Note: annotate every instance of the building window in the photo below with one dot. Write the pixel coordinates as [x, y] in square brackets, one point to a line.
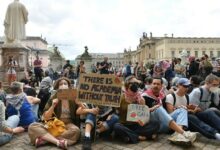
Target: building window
[149, 55]
[172, 54]
[196, 53]
[180, 52]
[211, 54]
[203, 52]
[218, 53]
[188, 52]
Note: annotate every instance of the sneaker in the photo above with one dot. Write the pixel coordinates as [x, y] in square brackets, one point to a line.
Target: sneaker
[87, 143]
[62, 144]
[39, 142]
[179, 139]
[190, 135]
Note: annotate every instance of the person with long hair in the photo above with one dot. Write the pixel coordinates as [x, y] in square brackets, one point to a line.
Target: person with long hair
[66, 111]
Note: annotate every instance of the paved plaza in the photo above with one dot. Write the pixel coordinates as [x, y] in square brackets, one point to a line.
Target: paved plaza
[21, 142]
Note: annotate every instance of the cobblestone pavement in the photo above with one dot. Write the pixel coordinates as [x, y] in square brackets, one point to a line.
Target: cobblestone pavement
[21, 142]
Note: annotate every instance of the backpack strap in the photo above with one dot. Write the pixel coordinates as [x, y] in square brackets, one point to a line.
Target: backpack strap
[201, 94]
[212, 100]
[174, 98]
[187, 98]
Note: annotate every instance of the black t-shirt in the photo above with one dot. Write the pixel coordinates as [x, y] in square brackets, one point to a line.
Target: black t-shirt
[104, 70]
[67, 65]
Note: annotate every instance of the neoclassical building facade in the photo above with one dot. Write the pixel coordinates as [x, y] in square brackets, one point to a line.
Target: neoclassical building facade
[117, 59]
[159, 48]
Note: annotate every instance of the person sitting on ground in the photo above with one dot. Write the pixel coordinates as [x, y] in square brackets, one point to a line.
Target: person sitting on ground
[153, 99]
[203, 118]
[105, 118]
[17, 103]
[194, 83]
[30, 91]
[132, 132]
[64, 110]
[9, 126]
[44, 93]
[31, 97]
[176, 103]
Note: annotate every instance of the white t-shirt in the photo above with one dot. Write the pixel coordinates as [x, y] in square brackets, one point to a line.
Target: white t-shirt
[11, 70]
[180, 100]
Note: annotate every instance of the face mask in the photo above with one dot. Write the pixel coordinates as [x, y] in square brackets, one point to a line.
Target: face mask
[214, 89]
[63, 87]
[134, 87]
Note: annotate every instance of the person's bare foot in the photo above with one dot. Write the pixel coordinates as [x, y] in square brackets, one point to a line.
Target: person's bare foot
[18, 130]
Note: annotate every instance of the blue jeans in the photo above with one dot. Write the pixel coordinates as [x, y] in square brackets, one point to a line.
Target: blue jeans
[197, 125]
[91, 119]
[130, 133]
[161, 115]
[35, 108]
[210, 117]
[180, 116]
[12, 122]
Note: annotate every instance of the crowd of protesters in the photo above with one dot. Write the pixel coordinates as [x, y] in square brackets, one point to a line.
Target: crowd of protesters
[183, 98]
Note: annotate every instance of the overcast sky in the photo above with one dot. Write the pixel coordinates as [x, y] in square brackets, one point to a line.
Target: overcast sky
[112, 25]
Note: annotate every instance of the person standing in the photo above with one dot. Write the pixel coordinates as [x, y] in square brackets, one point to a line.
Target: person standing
[38, 69]
[104, 66]
[179, 69]
[12, 64]
[67, 65]
[15, 20]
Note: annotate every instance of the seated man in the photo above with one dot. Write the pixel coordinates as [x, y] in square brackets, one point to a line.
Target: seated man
[153, 98]
[203, 118]
[105, 118]
[176, 103]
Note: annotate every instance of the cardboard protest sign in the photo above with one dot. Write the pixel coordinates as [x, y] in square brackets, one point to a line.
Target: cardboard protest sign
[100, 89]
[67, 94]
[137, 112]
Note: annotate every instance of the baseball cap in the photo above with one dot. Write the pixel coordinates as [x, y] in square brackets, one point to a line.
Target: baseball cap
[183, 81]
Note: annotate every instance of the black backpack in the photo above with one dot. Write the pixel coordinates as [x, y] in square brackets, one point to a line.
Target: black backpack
[212, 99]
[174, 100]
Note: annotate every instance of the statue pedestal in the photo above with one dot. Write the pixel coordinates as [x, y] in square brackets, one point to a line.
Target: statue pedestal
[87, 60]
[20, 54]
[88, 65]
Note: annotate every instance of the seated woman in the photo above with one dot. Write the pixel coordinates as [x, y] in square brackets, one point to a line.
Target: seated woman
[66, 111]
[9, 126]
[17, 103]
[132, 132]
[106, 119]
